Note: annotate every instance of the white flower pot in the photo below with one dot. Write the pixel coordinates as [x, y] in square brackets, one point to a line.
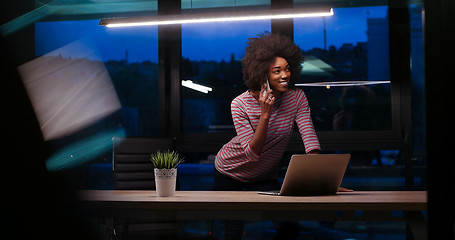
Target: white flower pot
[165, 181]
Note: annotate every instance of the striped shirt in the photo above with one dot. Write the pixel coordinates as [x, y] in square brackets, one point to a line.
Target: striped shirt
[237, 160]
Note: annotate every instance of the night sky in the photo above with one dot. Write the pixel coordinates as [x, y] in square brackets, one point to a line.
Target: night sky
[208, 41]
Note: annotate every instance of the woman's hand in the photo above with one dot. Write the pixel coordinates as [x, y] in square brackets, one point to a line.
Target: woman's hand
[342, 189]
[314, 151]
[266, 101]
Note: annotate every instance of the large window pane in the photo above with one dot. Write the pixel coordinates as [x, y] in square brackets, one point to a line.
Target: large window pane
[349, 47]
[211, 56]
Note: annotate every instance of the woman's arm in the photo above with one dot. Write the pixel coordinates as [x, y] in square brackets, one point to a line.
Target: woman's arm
[305, 124]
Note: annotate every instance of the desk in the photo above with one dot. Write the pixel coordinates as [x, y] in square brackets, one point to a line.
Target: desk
[187, 205]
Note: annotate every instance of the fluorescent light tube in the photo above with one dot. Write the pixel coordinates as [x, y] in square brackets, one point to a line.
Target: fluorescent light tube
[340, 83]
[216, 17]
[195, 86]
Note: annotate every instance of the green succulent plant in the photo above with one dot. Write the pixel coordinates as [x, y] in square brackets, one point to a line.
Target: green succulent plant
[166, 160]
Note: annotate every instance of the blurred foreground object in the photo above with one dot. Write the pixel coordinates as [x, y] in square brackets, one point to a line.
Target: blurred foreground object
[69, 88]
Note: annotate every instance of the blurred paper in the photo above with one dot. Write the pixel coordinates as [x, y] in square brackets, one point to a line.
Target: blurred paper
[69, 88]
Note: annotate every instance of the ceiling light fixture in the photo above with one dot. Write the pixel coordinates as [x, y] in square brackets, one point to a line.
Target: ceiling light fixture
[195, 86]
[217, 17]
[340, 84]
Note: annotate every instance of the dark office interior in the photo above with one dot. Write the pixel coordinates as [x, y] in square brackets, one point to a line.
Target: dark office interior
[398, 132]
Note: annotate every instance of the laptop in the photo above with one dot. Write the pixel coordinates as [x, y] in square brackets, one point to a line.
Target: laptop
[313, 175]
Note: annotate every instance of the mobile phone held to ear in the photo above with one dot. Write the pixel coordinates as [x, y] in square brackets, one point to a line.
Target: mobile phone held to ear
[268, 87]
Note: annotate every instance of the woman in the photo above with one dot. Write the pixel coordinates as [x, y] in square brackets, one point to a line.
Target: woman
[264, 119]
[264, 122]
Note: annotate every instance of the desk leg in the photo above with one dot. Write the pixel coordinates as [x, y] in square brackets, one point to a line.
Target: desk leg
[416, 223]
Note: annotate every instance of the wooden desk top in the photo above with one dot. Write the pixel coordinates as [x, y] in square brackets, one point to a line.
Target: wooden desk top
[252, 201]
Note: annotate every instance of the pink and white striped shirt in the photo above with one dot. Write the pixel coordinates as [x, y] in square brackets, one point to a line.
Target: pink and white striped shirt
[237, 160]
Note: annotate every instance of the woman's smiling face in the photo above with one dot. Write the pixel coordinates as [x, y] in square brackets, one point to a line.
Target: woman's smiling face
[279, 75]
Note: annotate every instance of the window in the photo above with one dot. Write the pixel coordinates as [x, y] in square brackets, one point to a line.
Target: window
[350, 47]
[212, 57]
[369, 121]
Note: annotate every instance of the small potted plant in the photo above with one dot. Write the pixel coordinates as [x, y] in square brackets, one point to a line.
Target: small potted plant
[165, 164]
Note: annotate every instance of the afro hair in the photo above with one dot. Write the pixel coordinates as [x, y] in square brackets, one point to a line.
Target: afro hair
[261, 53]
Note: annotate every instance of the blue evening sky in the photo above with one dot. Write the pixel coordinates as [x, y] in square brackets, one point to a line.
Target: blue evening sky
[208, 41]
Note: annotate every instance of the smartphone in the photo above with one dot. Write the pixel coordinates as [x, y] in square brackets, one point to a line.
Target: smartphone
[268, 87]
